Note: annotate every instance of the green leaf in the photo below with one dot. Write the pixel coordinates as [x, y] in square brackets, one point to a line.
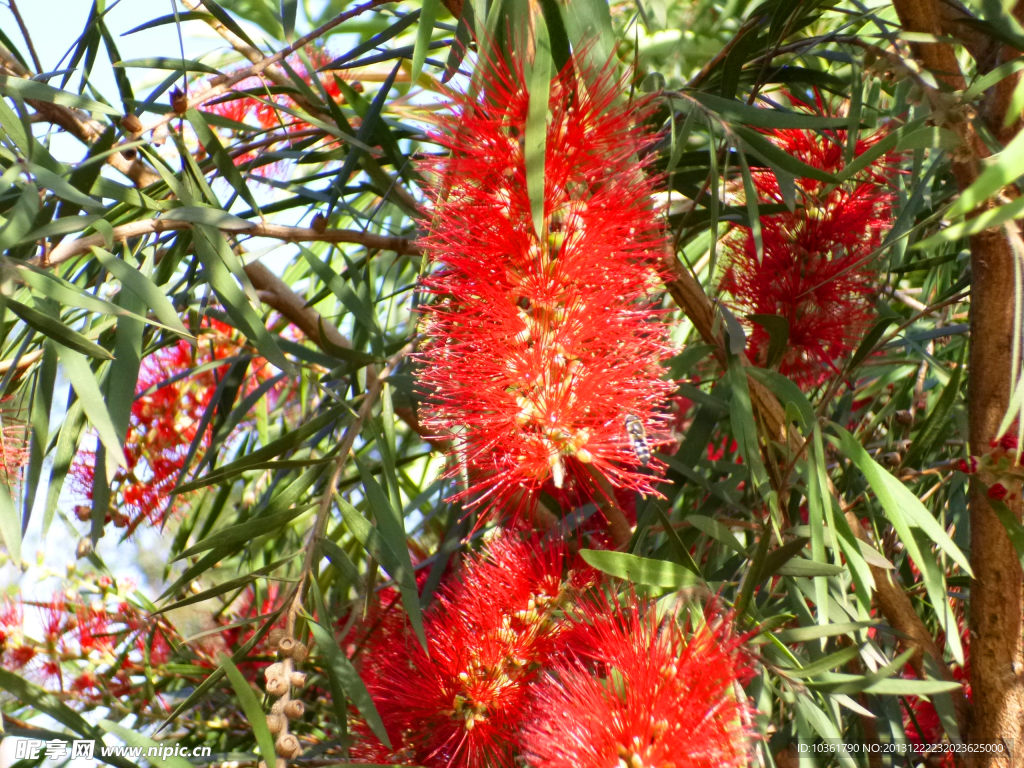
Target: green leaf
[938, 419]
[225, 164]
[900, 505]
[746, 114]
[10, 526]
[63, 189]
[170, 18]
[711, 527]
[143, 287]
[58, 331]
[88, 391]
[741, 416]
[778, 334]
[1014, 529]
[640, 570]
[224, 18]
[339, 669]
[214, 217]
[251, 707]
[807, 634]
[67, 447]
[827, 663]
[243, 532]
[31, 89]
[44, 702]
[391, 525]
[770, 153]
[214, 253]
[536, 132]
[168, 62]
[990, 219]
[809, 568]
[786, 391]
[425, 30]
[339, 559]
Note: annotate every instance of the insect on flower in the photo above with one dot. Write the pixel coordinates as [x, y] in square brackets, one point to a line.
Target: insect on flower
[638, 437]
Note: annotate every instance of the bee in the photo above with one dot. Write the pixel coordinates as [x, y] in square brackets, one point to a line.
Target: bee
[638, 438]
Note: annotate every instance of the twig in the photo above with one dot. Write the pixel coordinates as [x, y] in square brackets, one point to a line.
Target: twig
[24, 33]
[372, 393]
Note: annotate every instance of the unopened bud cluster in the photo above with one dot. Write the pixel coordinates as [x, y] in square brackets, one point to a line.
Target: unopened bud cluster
[281, 677]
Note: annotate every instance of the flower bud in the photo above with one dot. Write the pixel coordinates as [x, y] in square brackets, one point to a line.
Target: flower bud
[84, 548]
[319, 223]
[294, 709]
[288, 746]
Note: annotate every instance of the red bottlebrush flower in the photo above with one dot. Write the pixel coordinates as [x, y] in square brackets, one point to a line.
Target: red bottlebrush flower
[997, 491]
[815, 269]
[542, 349]
[487, 636]
[163, 424]
[253, 103]
[640, 694]
[1008, 442]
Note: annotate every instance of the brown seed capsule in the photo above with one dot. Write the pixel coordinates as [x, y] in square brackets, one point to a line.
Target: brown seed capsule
[298, 679]
[131, 124]
[84, 548]
[288, 746]
[274, 670]
[286, 645]
[299, 652]
[277, 708]
[906, 418]
[275, 636]
[83, 512]
[277, 686]
[179, 101]
[891, 459]
[319, 223]
[276, 723]
[294, 709]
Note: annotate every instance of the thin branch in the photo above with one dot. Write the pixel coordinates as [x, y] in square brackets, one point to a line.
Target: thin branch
[373, 391]
[68, 250]
[24, 33]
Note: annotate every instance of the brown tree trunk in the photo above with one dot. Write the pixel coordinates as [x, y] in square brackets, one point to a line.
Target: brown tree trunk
[997, 683]
[996, 592]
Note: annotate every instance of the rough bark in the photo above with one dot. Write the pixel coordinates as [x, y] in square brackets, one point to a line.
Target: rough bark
[996, 592]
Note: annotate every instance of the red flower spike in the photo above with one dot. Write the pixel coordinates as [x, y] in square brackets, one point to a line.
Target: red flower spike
[163, 424]
[488, 635]
[640, 694]
[814, 270]
[542, 349]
